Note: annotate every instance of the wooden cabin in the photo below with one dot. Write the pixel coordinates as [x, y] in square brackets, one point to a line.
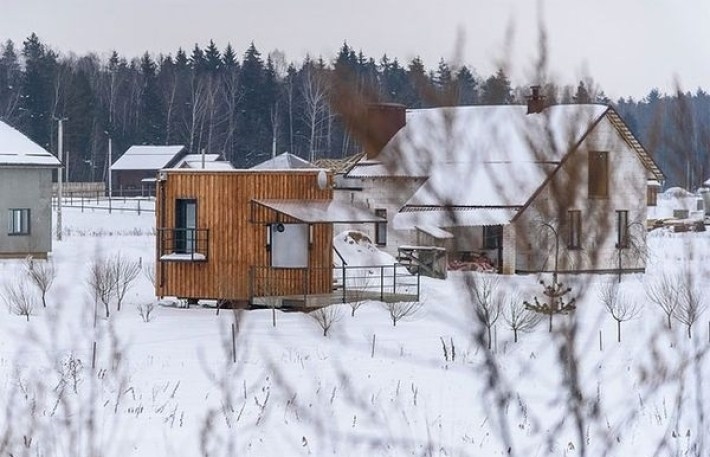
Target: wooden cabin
[239, 234]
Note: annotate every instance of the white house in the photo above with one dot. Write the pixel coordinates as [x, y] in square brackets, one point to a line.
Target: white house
[532, 188]
[25, 195]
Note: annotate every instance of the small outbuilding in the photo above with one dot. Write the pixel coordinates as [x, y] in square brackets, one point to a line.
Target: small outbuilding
[135, 171]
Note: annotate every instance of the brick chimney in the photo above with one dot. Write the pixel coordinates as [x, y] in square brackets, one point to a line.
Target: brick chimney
[536, 101]
[384, 120]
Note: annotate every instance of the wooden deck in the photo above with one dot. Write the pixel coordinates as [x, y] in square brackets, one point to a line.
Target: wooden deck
[337, 297]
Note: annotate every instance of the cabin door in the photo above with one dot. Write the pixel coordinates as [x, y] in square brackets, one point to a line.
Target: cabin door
[185, 225]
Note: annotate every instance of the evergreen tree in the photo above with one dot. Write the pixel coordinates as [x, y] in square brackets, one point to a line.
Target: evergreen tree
[37, 91]
[152, 124]
[10, 82]
[466, 87]
[582, 96]
[496, 89]
[253, 123]
[213, 58]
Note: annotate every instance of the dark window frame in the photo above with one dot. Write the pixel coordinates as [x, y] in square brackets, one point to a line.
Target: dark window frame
[180, 236]
[492, 236]
[574, 229]
[25, 224]
[598, 174]
[652, 196]
[622, 229]
[381, 227]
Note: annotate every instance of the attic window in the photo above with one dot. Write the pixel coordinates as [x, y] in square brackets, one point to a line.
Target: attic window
[598, 181]
[652, 196]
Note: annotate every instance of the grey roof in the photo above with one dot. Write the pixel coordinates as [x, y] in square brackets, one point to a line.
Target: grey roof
[320, 211]
[285, 161]
[147, 157]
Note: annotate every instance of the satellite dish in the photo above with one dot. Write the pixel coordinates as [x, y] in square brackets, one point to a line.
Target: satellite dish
[322, 180]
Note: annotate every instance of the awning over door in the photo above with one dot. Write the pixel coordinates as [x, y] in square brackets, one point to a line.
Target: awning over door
[410, 218]
[320, 211]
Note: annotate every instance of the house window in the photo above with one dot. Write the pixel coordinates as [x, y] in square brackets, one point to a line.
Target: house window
[18, 221]
[185, 225]
[622, 229]
[598, 174]
[289, 245]
[492, 236]
[381, 228]
[574, 229]
[651, 195]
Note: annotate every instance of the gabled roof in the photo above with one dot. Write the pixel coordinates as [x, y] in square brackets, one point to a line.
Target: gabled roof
[339, 166]
[147, 157]
[17, 150]
[284, 161]
[481, 156]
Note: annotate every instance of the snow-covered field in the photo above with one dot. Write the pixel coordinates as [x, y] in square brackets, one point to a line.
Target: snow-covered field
[170, 386]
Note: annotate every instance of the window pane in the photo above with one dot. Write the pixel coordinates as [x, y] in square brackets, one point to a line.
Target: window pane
[381, 227]
[598, 174]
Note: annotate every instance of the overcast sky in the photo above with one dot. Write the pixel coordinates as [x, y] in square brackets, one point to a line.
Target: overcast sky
[627, 46]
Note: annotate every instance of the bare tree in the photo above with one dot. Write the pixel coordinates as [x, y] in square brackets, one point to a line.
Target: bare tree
[402, 310]
[146, 311]
[487, 301]
[102, 282]
[148, 270]
[125, 272]
[665, 293]
[357, 289]
[19, 298]
[518, 317]
[618, 306]
[317, 113]
[326, 317]
[42, 275]
[691, 305]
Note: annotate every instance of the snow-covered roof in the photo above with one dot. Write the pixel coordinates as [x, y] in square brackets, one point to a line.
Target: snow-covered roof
[196, 158]
[146, 157]
[452, 217]
[285, 161]
[481, 155]
[17, 150]
[212, 162]
[320, 211]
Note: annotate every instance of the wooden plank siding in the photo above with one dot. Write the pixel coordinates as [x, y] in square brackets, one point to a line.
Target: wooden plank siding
[237, 232]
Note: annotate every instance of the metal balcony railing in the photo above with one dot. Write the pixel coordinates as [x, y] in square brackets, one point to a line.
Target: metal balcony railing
[183, 244]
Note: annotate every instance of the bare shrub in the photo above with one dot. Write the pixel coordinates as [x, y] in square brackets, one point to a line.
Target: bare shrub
[618, 306]
[102, 282]
[402, 310]
[691, 304]
[42, 275]
[148, 270]
[519, 318]
[125, 272]
[664, 292]
[146, 311]
[486, 300]
[19, 298]
[357, 290]
[326, 317]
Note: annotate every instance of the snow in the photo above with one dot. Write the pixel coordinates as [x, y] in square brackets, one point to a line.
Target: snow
[320, 211]
[18, 150]
[677, 199]
[169, 386]
[184, 257]
[441, 217]
[146, 157]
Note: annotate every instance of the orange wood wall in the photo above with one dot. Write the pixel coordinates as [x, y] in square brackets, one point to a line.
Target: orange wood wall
[237, 234]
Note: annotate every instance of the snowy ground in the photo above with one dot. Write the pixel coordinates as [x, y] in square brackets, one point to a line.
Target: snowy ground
[170, 387]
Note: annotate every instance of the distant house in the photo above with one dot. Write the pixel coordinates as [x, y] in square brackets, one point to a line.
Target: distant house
[251, 236]
[531, 188]
[284, 161]
[25, 195]
[204, 162]
[135, 171]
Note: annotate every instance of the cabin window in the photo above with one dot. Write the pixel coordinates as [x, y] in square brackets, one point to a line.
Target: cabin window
[598, 174]
[381, 228]
[185, 226]
[574, 229]
[18, 221]
[622, 229]
[289, 245]
[652, 196]
[492, 236]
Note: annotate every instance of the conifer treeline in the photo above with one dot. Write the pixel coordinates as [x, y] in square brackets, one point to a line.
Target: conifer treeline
[244, 108]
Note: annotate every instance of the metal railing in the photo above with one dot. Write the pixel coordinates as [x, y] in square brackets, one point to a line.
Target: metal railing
[183, 244]
[347, 283]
